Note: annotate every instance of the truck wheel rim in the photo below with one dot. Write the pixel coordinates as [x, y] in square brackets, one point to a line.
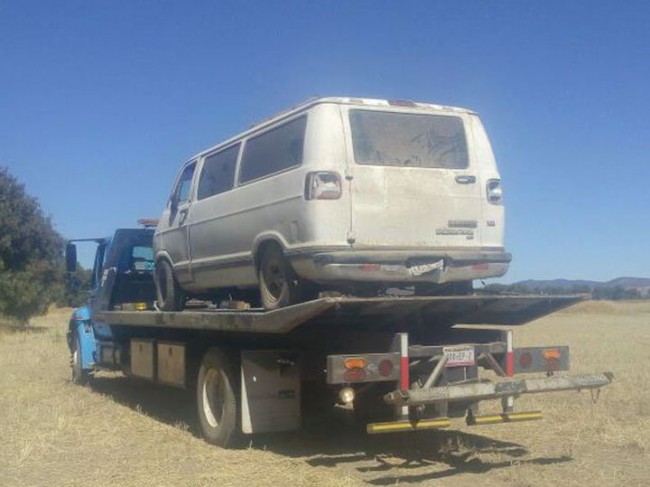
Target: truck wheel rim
[212, 397]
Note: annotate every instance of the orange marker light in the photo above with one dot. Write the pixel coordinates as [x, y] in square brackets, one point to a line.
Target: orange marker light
[354, 363]
[551, 353]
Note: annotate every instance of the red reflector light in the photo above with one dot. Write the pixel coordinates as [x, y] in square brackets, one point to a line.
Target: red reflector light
[354, 363]
[354, 375]
[386, 368]
[481, 267]
[369, 267]
[525, 360]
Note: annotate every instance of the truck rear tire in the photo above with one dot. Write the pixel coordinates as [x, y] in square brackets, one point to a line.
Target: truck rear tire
[217, 399]
[168, 292]
[279, 284]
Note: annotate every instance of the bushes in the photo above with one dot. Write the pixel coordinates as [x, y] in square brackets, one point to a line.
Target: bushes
[31, 263]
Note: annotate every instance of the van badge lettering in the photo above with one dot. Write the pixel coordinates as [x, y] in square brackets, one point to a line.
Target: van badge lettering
[418, 270]
[454, 231]
[462, 224]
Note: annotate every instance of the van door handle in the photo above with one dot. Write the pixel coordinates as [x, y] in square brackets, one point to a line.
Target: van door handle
[465, 179]
[182, 215]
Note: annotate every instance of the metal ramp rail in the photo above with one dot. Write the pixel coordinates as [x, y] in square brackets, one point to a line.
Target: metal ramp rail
[352, 312]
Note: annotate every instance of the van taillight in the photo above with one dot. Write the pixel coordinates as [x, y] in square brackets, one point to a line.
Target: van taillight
[323, 185]
[494, 192]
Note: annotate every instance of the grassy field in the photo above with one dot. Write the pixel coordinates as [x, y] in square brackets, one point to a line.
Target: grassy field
[120, 433]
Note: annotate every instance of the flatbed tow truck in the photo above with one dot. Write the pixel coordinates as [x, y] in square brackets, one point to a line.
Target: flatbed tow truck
[401, 363]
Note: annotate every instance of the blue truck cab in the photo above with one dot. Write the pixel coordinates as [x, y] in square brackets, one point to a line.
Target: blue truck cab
[122, 279]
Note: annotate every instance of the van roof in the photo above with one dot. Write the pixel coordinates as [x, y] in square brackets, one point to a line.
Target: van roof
[341, 100]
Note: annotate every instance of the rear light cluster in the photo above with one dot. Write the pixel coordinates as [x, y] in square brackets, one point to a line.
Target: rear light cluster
[357, 369]
[323, 185]
[494, 192]
[552, 358]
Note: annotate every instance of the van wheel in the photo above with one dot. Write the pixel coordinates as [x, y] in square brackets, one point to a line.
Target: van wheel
[279, 285]
[216, 399]
[168, 292]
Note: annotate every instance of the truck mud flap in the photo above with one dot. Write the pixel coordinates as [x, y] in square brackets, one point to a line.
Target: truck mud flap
[490, 390]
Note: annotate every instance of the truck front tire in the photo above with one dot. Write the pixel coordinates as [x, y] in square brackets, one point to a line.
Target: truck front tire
[217, 399]
[79, 375]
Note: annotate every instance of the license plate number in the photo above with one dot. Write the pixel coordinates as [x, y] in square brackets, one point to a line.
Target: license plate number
[459, 356]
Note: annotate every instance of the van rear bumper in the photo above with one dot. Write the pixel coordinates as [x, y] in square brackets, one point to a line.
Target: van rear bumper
[401, 266]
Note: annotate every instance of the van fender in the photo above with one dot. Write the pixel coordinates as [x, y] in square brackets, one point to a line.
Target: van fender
[264, 238]
[183, 274]
[80, 327]
[163, 255]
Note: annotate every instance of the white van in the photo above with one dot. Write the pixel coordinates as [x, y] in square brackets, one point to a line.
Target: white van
[337, 193]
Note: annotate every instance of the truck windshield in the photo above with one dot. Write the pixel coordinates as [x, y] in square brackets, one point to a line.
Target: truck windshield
[408, 139]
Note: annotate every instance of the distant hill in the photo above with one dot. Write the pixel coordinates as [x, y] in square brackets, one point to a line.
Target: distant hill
[628, 282]
[624, 282]
[619, 288]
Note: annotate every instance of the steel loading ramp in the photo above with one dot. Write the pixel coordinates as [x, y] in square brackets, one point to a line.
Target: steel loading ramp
[343, 311]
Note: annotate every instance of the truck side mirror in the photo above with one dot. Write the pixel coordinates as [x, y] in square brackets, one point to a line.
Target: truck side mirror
[71, 257]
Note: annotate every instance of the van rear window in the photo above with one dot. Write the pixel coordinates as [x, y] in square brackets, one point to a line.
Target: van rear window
[273, 151]
[408, 139]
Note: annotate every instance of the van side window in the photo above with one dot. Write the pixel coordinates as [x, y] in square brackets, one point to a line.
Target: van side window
[408, 139]
[218, 173]
[274, 151]
[182, 191]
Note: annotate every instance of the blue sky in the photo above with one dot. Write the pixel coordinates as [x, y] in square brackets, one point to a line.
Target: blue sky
[100, 102]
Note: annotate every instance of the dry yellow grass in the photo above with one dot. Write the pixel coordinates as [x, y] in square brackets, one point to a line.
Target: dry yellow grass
[122, 433]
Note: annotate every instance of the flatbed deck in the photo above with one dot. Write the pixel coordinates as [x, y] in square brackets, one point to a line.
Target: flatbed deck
[344, 311]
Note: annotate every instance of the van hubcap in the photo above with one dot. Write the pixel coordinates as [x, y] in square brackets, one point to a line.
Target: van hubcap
[274, 276]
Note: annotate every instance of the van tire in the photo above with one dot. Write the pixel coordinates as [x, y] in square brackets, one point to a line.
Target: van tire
[168, 292]
[279, 284]
[216, 398]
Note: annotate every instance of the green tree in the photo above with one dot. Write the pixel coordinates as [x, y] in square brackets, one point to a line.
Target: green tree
[31, 267]
[77, 285]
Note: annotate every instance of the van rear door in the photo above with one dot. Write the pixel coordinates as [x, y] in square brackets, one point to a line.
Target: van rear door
[414, 180]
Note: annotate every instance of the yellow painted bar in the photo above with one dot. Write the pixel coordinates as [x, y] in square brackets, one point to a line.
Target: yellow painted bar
[505, 418]
[397, 426]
